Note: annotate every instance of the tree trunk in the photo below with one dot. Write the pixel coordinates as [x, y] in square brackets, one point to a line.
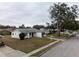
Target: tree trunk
[58, 29]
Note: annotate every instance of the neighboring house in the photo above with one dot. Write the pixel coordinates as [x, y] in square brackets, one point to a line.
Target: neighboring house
[29, 32]
[6, 31]
[46, 31]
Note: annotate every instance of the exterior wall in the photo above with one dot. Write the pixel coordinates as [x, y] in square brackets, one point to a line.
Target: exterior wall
[38, 34]
[15, 34]
[28, 35]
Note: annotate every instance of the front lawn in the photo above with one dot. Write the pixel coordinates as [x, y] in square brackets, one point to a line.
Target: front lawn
[26, 45]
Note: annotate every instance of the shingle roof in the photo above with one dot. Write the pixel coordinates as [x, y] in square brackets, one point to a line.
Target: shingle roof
[28, 30]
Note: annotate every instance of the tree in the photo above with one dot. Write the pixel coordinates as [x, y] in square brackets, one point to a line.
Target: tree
[7, 26]
[22, 36]
[28, 27]
[22, 26]
[71, 24]
[50, 26]
[62, 13]
[38, 26]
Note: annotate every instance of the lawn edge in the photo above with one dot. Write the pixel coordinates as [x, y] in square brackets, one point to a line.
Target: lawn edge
[41, 48]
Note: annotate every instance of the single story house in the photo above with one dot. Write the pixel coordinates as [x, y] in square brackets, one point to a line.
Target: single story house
[29, 32]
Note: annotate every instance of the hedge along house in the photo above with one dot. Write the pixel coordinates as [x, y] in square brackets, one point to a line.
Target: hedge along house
[29, 32]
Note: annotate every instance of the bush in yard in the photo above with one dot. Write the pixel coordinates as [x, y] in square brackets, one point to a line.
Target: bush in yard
[22, 36]
[2, 44]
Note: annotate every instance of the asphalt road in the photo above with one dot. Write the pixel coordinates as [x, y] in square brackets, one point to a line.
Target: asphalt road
[69, 48]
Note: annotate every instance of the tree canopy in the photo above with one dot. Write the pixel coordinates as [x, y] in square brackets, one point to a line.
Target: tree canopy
[64, 16]
[38, 26]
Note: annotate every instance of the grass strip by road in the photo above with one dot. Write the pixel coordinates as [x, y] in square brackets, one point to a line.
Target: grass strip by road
[42, 49]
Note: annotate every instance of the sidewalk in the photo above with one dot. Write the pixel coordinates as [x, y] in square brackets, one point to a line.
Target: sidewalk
[9, 52]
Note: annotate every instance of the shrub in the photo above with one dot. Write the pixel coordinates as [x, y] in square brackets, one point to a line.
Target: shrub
[2, 44]
[22, 36]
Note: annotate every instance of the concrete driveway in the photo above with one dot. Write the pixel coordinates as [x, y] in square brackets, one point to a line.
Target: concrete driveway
[9, 52]
[69, 48]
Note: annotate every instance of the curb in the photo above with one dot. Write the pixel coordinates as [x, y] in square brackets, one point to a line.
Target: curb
[39, 49]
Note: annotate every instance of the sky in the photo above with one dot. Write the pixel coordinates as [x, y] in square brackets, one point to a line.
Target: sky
[27, 13]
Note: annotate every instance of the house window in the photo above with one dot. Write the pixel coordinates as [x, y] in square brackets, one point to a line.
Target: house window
[13, 33]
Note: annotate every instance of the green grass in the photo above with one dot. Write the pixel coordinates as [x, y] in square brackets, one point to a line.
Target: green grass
[26, 45]
[56, 35]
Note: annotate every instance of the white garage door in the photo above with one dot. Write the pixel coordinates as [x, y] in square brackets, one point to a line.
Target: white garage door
[39, 34]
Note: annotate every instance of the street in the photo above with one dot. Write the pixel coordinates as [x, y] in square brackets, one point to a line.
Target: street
[69, 48]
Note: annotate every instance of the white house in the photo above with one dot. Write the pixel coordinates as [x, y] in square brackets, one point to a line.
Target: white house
[29, 32]
[46, 31]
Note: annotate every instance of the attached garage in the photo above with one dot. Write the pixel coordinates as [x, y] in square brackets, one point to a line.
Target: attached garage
[39, 34]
